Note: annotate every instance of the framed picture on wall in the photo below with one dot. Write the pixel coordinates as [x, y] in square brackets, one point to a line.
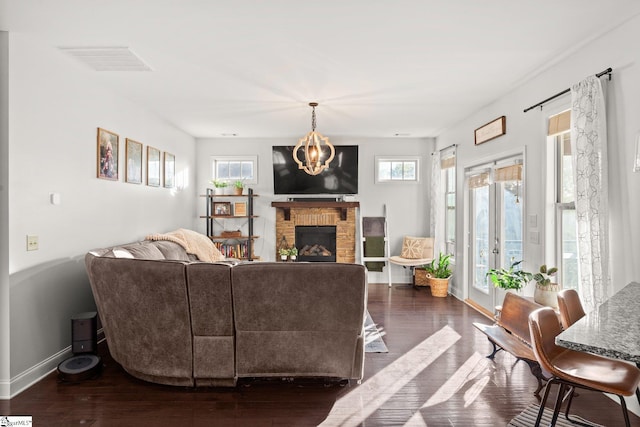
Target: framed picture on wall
[133, 173]
[107, 154]
[153, 167]
[491, 130]
[169, 170]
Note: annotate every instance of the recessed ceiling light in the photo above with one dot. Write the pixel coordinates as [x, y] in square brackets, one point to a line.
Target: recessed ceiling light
[108, 58]
[402, 134]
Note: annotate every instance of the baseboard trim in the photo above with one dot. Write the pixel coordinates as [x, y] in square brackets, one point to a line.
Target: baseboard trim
[480, 309]
[27, 378]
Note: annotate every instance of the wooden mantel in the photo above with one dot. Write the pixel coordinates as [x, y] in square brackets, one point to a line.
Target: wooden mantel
[287, 206]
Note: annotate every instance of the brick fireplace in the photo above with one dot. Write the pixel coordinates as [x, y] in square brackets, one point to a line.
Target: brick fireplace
[342, 215]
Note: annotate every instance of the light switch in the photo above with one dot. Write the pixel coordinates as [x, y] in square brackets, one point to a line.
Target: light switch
[32, 243]
[55, 198]
[534, 236]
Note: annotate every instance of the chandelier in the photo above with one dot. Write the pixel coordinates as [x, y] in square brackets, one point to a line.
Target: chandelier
[316, 148]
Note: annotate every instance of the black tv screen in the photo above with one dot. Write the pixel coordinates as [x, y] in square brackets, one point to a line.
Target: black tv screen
[341, 177]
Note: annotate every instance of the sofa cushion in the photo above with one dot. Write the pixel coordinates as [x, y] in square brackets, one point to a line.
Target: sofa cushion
[138, 250]
[172, 250]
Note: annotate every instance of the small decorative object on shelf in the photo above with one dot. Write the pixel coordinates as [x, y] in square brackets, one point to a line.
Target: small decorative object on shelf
[240, 209]
[238, 187]
[221, 208]
[284, 253]
[219, 185]
[293, 253]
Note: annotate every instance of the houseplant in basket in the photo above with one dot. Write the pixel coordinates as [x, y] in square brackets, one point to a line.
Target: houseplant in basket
[510, 279]
[546, 292]
[438, 274]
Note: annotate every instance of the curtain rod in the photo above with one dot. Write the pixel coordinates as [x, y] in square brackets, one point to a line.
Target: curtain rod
[442, 149]
[539, 104]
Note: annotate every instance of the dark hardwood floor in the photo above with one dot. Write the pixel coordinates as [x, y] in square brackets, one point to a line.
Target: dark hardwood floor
[435, 374]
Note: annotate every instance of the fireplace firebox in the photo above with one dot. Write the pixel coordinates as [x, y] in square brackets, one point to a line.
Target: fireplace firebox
[316, 243]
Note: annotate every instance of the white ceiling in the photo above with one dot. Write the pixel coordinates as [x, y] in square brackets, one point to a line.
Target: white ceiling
[377, 68]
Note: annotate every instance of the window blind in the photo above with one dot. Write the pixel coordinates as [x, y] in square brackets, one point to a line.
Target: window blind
[559, 123]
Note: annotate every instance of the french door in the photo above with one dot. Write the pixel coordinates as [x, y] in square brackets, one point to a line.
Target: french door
[495, 221]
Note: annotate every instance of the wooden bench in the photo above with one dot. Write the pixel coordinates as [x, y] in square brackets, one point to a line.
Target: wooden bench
[511, 333]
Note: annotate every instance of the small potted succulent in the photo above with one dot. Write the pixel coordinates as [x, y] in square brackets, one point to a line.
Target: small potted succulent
[293, 253]
[546, 292]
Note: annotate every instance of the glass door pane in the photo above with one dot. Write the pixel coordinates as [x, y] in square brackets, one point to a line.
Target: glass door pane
[480, 244]
[511, 223]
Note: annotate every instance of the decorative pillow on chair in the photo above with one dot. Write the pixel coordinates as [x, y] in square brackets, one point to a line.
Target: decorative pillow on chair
[413, 247]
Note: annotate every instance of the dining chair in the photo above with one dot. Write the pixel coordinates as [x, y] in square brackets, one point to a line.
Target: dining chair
[576, 369]
[570, 307]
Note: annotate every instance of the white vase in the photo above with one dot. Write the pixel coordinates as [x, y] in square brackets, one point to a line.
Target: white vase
[547, 295]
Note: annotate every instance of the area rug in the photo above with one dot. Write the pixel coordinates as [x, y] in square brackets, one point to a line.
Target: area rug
[373, 342]
[527, 418]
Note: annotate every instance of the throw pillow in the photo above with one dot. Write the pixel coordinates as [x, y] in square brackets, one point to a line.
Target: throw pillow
[413, 247]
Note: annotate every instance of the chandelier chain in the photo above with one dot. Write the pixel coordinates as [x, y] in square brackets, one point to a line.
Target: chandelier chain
[313, 119]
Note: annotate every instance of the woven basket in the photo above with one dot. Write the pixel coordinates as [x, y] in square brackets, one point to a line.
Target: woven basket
[439, 287]
[421, 277]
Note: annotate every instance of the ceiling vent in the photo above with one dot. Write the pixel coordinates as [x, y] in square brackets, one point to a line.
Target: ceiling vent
[108, 58]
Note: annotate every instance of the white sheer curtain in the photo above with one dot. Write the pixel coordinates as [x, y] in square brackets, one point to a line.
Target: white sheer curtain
[436, 213]
[589, 156]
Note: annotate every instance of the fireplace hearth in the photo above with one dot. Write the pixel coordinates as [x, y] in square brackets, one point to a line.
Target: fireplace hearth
[341, 215]
[316, 243]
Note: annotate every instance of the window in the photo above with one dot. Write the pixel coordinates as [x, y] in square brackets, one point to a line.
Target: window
[566, 241]
[397, 169]
[232, 168]
[566, 248]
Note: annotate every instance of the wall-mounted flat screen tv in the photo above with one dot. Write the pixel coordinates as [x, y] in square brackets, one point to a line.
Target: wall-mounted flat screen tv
[341, 177]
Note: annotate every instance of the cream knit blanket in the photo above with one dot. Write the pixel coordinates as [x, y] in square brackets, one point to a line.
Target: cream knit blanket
[193, 242]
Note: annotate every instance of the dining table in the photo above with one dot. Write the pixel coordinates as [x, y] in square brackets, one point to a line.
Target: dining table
[612, 330]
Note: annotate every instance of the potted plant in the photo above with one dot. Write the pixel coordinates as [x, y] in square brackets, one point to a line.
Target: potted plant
[219, 185]
[284, 253]
[239, 187]
[510, 278]
[293, 253]
[546, 292]
[438, 274]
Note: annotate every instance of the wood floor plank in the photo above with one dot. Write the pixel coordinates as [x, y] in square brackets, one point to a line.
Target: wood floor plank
[435, 374]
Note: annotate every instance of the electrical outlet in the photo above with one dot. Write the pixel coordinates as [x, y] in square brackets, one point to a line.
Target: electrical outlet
[32, 243]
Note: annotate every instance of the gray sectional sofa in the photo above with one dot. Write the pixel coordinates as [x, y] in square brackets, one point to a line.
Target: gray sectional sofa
[171, 319]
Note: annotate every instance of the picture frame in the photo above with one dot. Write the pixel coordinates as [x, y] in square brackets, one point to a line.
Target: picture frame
[221, 208]
[169, 170]
[107, 156]
[240, 209]
[133, 154]
[153, 167]
[491, 130]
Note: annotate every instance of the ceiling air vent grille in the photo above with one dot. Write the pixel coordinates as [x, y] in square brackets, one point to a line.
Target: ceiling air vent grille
[108, 58]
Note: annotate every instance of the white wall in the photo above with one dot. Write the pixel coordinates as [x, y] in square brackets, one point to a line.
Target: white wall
[55, 107]
[4, 218]
[616, 49]
[407, 204]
